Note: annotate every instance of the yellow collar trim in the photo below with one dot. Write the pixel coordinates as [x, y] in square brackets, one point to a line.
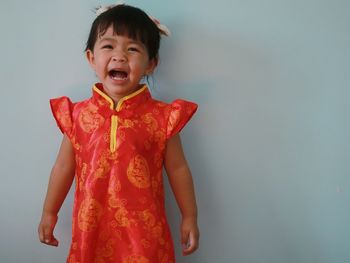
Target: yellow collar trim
[105, 96]
[137, 92]
[120, 102]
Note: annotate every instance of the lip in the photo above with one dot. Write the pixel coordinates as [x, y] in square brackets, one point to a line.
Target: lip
[120, 80]
[118, 68]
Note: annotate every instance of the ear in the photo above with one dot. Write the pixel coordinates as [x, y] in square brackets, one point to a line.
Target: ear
[152, 64]
[90, 57]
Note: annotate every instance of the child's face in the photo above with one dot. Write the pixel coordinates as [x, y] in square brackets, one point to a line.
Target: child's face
[119, 63]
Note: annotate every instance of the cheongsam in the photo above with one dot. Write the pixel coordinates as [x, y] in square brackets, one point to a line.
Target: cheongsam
[119, 211]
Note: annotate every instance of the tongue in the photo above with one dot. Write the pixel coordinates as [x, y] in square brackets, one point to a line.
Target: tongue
[118, 74]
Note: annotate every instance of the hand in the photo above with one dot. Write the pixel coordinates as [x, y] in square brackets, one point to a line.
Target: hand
[45, 229]
[189, 236]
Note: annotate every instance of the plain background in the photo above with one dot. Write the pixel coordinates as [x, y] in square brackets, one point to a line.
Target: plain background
[269, 147]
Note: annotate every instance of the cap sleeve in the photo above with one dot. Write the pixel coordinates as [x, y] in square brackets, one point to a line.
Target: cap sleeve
[181, 111]
[62, 111]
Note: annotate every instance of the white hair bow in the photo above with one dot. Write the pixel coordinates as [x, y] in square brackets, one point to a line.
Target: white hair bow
[162, 28]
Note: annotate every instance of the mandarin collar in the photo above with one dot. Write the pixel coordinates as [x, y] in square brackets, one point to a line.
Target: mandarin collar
[131, 100]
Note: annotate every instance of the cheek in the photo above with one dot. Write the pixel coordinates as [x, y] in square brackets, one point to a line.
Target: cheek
[100, 64]
[143, 65]
[100, 60]
[135, 67]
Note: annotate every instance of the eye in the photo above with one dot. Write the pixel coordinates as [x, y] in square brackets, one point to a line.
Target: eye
[133, 49]
[107, 47]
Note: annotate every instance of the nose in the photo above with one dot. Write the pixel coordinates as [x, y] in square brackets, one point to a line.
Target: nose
[119, 57]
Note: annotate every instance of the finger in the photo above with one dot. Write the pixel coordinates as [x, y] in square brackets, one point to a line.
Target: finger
[48, 237]
[50, 241]
[47, 234]
[41, 234]
[54, 242]
[184, 239]
[192, 244]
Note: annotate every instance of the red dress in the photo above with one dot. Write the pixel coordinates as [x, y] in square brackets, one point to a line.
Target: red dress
[119, 213]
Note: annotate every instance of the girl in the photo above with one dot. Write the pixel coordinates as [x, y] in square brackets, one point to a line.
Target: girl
[116, 143]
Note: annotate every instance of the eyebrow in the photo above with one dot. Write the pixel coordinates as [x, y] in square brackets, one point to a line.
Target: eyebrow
[106, 39]
[131, 41]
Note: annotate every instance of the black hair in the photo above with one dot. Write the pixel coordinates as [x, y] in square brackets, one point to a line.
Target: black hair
[127, 21]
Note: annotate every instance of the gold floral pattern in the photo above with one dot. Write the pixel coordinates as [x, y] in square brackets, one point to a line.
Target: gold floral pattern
[138, 172]
[89, 214]
[119, 208]
[89, 119]
[103, 166]
[136, 259]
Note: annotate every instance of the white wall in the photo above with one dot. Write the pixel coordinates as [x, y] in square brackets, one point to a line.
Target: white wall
[269, 147]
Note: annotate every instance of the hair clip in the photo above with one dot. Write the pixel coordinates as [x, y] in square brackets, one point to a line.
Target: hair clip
[162, 28]
[101, 9]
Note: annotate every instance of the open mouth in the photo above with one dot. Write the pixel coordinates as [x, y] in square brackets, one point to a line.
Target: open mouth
[118, 75]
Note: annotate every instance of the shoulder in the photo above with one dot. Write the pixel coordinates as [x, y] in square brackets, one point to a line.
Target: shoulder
[157, 103]
[177, 105]
[68, 100]
[65, 104]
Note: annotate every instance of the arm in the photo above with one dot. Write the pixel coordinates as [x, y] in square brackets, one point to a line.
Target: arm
[181, 182]
[61, 178]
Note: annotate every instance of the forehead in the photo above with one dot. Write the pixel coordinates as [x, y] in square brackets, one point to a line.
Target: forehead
[111, 34]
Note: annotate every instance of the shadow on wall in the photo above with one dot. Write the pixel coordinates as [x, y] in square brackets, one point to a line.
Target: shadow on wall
[248, 145]
[235, 82]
